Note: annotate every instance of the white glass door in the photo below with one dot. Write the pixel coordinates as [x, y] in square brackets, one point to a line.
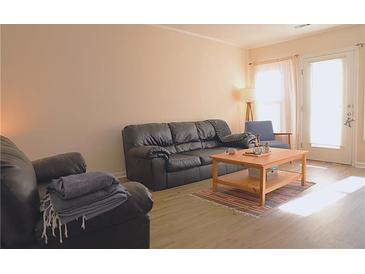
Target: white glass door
[327, 107]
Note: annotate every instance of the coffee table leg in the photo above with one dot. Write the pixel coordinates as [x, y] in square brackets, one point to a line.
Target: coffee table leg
[262, 186]
[215, 175]
[304, 169]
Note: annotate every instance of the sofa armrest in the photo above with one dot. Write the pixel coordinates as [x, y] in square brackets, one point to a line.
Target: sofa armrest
[240, 140]
[148, 152]
[56, 166]
[140, 196]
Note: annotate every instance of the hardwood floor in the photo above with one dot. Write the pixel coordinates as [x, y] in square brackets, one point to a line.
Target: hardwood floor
[179, 220]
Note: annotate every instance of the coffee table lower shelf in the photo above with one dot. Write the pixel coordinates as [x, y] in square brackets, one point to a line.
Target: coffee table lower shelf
[243, 181]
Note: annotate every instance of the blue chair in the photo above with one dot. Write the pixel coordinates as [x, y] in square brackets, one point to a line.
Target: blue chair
[267, 135]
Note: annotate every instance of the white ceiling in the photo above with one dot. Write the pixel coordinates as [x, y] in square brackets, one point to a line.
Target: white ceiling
[250, 35]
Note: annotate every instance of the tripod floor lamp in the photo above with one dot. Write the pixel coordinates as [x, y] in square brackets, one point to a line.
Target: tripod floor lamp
[248, 96]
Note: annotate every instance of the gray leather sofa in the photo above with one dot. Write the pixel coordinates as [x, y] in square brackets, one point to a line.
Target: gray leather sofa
[165, 155]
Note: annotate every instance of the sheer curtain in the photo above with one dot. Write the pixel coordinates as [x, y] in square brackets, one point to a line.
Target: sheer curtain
[276, 85]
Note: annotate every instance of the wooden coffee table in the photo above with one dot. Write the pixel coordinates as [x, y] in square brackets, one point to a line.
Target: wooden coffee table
[261, 186]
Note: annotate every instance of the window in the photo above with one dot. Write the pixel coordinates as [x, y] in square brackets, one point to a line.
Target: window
[269, 101]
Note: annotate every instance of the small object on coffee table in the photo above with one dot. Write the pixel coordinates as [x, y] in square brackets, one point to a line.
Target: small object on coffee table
[231, 151]
[267, 147]
[257, 144]
[257, 152]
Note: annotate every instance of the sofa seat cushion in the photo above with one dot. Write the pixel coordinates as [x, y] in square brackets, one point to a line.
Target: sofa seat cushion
[138, 204]
[204, 154]
[276, 144]
[211, 144]
[181, 161]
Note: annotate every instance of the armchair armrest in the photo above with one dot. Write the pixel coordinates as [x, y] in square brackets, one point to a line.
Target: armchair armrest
[56, 166]
[149, 152]
[283, 133]
[288, 134]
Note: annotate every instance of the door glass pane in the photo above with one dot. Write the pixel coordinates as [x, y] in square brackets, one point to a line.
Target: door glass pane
[326, 103]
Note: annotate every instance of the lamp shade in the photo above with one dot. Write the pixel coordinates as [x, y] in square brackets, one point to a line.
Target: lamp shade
[247, 94]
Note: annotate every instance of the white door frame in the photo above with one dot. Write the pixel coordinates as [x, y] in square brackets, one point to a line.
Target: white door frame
[353, 96]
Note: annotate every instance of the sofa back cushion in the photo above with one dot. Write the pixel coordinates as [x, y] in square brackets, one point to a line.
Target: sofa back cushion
[207, 134]
[154, 134]
[185, 136]
[176, 136]
[19, 197]
[221, 128]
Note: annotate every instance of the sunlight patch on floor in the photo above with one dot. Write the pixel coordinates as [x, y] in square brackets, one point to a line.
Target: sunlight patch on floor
[349, 184]
[316, 201]
[317, 167]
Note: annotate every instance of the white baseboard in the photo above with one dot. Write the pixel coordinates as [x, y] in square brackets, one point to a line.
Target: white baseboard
[360, 164]
[120, 174]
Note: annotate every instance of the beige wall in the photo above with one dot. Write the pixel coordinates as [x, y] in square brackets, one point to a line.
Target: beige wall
[327, 41]
[0, 82]
[74, 87]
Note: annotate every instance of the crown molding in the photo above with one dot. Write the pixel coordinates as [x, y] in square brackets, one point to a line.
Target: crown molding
[196, 35]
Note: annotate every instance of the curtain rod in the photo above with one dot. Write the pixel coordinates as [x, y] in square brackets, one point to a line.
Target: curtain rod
[274, 60]
[361, 45]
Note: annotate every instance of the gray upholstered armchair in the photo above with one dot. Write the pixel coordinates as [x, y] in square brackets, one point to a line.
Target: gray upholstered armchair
[266, 132]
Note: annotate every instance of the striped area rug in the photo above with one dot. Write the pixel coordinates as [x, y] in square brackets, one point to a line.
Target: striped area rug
[248, 203]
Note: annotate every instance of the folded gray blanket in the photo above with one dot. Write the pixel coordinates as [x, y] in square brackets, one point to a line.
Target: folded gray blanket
[102, 193]
[72, 186]
[68, 210]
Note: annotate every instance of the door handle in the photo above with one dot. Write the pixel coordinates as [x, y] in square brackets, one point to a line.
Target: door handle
[349, 120]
